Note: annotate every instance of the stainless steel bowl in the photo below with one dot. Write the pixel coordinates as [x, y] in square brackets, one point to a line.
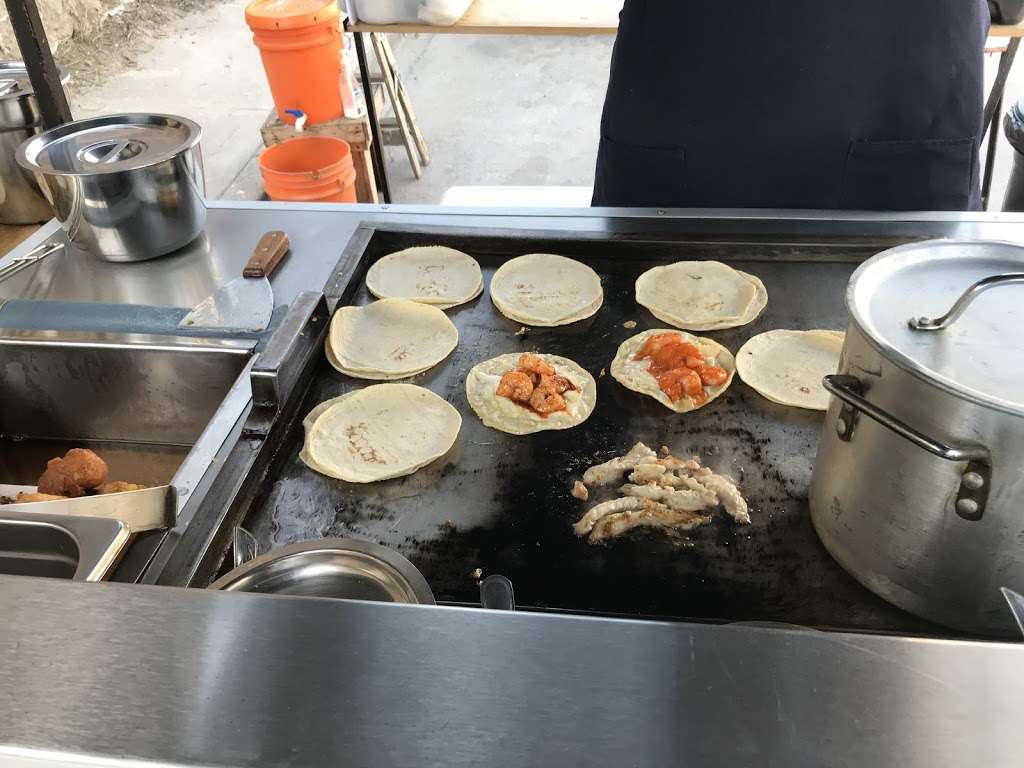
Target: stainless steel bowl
[124, 187]
[339, 568]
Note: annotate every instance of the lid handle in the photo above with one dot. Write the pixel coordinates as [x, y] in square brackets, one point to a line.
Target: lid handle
[939, 323]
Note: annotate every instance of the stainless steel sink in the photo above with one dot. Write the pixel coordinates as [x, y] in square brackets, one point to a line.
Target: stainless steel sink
[59, 547]
[157, 409]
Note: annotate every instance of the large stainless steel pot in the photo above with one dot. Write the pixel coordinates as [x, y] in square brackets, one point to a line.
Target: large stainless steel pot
[918, 488]
[124, 187]
[21, 201]
[339, 568]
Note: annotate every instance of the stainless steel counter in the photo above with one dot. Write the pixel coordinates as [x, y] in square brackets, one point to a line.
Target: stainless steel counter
[195, 677]
[319, 233]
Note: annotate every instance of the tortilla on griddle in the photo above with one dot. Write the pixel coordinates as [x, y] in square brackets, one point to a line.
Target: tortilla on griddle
[434, 274]
[505, 415]
[633, 374]
[389, 339]
[701, 295]
[543, 289]
[787, 367]
[380, 432]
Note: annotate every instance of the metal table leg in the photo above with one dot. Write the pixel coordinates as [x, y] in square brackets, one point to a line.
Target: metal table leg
[42, 72]
[993, 109]
[377, 146]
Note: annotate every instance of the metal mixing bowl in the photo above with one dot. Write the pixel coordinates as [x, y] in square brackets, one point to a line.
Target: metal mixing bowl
[124, 187]
[339, 568]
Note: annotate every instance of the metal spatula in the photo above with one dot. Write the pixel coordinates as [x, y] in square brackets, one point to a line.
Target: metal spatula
[247, 302]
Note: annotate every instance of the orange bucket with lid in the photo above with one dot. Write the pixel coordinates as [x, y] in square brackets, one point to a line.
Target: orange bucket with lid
[309, 169]
[300, 43]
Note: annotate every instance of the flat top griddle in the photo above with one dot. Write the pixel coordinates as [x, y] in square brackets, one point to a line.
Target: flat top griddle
[501, 503]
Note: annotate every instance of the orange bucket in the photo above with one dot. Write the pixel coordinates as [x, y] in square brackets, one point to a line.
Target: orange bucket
[309, 169]
[300, 43]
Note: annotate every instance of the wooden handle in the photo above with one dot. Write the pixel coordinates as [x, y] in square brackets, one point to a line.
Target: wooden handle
[267, 255]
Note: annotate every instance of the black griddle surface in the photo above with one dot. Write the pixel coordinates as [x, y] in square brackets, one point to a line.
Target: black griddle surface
[501, 503]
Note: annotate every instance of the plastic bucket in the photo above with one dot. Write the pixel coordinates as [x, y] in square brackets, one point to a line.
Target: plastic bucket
[309, 169]
[300, 43]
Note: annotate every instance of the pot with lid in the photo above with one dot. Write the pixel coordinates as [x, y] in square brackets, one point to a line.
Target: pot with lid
[918, 488]
[21, 201]
[124, 187]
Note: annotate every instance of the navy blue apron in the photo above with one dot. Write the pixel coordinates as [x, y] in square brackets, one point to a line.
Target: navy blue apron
[856, 104]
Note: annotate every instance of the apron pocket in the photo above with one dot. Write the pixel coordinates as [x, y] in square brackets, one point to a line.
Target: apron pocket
[925, 175]
[635, 176]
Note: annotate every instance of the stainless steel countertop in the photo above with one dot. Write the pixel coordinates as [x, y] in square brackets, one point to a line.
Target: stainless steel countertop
[196, 678]
[199, 677]
[319, 233]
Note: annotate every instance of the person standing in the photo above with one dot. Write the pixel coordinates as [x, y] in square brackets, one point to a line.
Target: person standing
[861, 104]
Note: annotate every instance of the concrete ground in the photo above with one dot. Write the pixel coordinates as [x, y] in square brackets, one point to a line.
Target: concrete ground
[495, 110]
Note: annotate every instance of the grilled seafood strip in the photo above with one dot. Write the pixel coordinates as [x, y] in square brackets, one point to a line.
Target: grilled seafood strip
[586, 523]
[613, 471]
[682, 501]
[652, 515]
[728, 494]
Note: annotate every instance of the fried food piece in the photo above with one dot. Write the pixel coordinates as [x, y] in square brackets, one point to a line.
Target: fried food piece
[25, 498]
[119, 486]
[613, 471]
[80, 470]
[652, 514]
[579, 490]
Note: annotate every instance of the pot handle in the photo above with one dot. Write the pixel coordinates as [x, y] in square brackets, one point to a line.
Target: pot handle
[939, 323]
[975, 480]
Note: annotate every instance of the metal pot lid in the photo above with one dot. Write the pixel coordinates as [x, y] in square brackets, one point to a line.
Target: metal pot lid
[336, 568]
[14, 79]
[902, 299]
[108, 144]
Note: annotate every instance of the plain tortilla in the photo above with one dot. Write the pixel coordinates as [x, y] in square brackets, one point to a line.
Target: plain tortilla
[787, 367]
[543, 289]
[380, 432]
[389, 339]
[633, 374]
[503, 414]
[701, 295]
[430, 274]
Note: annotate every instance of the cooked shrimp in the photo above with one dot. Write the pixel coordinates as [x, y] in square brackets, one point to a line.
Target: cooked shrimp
[561, 384]
[679, 382]
[545, 400]
[529, 363]
[516, 385]
[712, 375]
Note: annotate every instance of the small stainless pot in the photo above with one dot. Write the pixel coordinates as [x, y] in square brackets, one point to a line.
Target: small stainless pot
[339, 568]
[918, 488]
[21, 201]
[125, 187]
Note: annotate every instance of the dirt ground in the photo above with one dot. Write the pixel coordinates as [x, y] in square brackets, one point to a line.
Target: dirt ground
[91, 57]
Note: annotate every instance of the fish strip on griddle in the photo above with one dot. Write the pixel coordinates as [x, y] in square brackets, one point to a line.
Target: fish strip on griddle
[586, 523]
[652, 515]
[684, 500]
[613, 471]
